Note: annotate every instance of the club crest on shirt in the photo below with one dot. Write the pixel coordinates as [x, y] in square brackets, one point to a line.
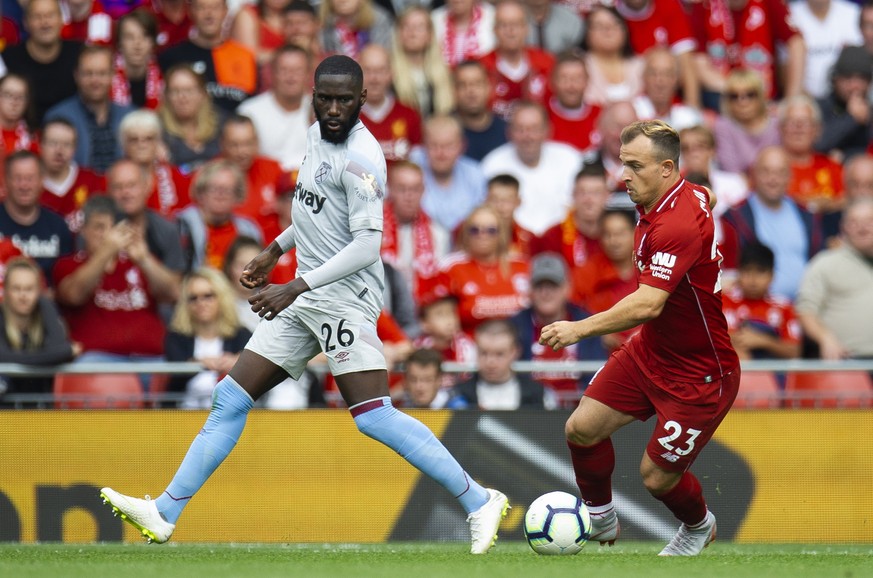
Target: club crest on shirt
[322, 172]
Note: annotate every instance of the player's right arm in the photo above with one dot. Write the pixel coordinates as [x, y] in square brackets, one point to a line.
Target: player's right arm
[644, 304]
[256, 272]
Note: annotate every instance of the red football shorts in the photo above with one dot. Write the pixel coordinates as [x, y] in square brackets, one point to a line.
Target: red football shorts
[688, 413]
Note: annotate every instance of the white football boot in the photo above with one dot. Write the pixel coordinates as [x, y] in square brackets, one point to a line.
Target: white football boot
[605, 529]
[141, 514]
[691, 540]
[485, 521]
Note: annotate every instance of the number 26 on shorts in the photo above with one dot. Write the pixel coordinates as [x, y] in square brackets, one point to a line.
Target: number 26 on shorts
[344, 336]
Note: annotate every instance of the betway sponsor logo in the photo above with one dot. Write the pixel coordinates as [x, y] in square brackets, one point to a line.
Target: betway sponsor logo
[662, 265]
[313, 201]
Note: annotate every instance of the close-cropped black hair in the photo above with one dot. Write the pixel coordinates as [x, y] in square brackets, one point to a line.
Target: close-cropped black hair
[757, 255]
[340, 65]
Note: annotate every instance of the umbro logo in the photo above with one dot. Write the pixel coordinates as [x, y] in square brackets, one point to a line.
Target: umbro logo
[322, 172]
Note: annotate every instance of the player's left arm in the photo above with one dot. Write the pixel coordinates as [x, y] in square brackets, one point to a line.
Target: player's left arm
[644, 304]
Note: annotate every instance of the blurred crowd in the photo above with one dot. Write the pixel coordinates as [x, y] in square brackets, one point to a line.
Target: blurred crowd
[150, 150]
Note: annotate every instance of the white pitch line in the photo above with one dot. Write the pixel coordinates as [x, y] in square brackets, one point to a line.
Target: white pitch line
[558, 467]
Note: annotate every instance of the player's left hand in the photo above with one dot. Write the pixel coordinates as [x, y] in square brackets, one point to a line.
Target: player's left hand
[272, 299]
[559, 335]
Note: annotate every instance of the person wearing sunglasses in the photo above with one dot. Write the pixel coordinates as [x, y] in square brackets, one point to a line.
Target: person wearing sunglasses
[745, 126]
[486, 280]
[205, 328]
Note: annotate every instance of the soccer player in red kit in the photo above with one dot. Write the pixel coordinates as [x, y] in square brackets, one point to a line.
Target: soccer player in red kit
[680, 366]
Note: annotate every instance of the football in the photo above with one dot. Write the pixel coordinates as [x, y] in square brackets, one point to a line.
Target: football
[557, 523]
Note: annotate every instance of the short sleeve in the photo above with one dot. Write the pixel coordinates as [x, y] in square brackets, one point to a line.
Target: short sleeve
[670, 251]
[365, 192]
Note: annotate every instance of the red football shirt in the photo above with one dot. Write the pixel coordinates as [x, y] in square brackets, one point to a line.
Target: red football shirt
[397, 132]
[676, 252]
[121, 316]
[661, 23]
[485, 292]
[821, 179]
[576, 128]
[566, 240]
[68, 202]
[170, 190]
[263, 179]
[770, 312]
[532, 85]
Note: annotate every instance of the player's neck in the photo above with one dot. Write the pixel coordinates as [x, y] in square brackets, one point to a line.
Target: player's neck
[649, 207]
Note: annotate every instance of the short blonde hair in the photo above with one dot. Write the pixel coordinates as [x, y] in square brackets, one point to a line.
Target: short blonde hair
[745, 77]
[665, 139]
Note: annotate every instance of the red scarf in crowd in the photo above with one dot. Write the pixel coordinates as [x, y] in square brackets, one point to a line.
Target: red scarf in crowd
[745, 45]
[351, 41]
[424, 262]
[574, 248]
[18, 139]
[469, 46]
[154, 84]
[167, 196]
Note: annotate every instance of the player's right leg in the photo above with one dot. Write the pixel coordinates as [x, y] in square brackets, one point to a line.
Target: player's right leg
[233, 397]
[588, 434]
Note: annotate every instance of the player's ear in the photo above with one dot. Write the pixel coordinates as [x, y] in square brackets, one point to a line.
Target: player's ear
[667, 168]
[363, 97]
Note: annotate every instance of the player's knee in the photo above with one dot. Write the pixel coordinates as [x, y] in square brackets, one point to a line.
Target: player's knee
[581, 433]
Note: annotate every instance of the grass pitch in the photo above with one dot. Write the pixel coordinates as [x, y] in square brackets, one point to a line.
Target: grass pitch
[506, 560]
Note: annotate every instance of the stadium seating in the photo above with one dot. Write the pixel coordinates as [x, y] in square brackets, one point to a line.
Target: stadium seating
[98, 391]
[829, 389]
[758, 390]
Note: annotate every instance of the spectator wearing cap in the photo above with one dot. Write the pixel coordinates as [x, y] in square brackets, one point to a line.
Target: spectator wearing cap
[846, 111]
[550, 292]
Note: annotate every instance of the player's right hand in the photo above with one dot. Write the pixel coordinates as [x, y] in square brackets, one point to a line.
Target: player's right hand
[258, 269]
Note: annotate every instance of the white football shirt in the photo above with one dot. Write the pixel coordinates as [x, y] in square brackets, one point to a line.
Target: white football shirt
[340, 189]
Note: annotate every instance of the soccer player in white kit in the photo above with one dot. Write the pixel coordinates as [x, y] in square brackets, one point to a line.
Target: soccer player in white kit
[331, 306]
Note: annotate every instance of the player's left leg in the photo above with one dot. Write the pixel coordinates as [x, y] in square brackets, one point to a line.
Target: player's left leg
[366, 393]
[683, 430]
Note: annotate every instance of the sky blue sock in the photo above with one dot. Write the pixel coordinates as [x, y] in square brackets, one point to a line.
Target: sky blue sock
[416, 444]
[230, 407]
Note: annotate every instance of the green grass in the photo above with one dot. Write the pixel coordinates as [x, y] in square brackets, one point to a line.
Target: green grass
[507, 560]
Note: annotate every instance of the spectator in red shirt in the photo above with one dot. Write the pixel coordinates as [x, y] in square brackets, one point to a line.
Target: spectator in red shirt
[15, 115]
[748, 34]
[174, 23]
[816, 180]
[211, 224]
[615, 74]
[485, 279]
[761, 326]
[610, 275]
[396, 126]
[86, 21]
[577, 238]
[518, 71]
[140, 135]
[239, 145]
[504, 197]
[258, 26]
[106, 291]
[137, 78]
[573, 120]
[66, 185]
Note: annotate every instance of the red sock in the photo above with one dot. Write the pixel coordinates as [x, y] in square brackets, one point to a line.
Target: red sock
[593, 466]
[686, 501]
